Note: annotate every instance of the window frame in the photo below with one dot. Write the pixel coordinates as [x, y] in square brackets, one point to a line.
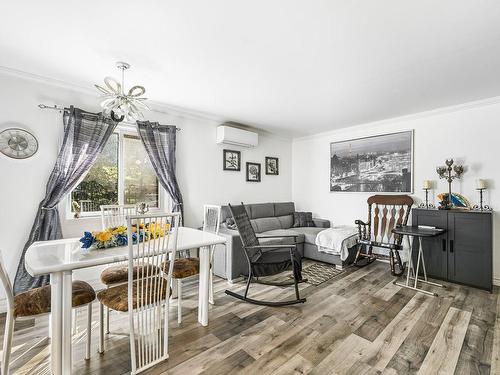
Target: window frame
[121, 130]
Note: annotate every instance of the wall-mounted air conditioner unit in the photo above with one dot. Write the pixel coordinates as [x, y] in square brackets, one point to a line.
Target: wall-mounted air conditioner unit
[238, 137]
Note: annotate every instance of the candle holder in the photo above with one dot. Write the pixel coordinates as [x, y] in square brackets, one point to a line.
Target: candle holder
[426, 205]
[481, 207]
[449, 172]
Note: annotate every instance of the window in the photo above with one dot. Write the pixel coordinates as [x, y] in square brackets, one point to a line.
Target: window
[122, 174]
[140, 184]
[100, 185]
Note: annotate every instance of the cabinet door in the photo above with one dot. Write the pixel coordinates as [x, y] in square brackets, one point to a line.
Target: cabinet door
[470, 249]
[435, 252]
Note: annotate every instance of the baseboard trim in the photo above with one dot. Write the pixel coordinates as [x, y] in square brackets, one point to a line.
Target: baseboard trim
[496, 281]
[236, 280]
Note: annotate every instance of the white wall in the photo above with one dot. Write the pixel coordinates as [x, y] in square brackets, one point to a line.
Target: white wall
[199, 161]
[469, 134]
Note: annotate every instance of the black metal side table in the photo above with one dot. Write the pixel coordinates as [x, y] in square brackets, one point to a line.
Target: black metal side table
[411, 231]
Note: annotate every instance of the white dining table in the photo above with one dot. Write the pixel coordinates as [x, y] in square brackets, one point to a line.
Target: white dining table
[60, 258]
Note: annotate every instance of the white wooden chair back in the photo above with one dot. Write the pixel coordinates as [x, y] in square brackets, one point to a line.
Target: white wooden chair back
[6, 284]
[152, 240]
[211, 218]
[115, 215]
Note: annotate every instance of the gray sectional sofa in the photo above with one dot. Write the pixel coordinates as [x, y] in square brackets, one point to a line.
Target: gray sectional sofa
[267, 219]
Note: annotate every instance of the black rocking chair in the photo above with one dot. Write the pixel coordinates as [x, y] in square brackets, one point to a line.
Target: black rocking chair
[266, 260]
[384, 213]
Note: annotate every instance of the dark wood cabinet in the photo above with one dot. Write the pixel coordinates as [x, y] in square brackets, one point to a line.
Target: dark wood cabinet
[464, 253]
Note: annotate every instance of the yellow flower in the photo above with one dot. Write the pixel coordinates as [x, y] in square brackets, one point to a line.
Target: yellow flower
[156, 230]
[104, 236]
[120, 230]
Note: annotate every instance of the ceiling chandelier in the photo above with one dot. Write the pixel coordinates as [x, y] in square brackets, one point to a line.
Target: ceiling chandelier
[116, 103]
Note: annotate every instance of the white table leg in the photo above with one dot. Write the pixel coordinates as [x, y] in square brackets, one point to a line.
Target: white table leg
[174, 289]
[423, 261]
[418, 266]
[211, 276]
[414, 270]
[425, 281]
[204, 281]
[66, 322]
[410, 260]
[56, 294]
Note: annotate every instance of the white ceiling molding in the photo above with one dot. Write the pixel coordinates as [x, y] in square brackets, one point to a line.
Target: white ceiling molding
[372, 126]
[155, 106]
[187, 113]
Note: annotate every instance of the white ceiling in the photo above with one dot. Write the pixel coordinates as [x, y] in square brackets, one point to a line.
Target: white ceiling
[294, 67]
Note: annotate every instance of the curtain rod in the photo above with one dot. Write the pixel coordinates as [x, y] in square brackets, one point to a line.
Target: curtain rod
[62, 109]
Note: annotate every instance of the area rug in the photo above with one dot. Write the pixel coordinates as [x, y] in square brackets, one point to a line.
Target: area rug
[318, 273]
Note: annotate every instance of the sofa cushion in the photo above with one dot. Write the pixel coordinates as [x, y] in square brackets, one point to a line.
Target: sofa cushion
[225, 212]
[284, 208]
[303, 219]
[310, 233]
[261, 210]
[281, 232]
[264, 224]
[321, 223]
[286, 221]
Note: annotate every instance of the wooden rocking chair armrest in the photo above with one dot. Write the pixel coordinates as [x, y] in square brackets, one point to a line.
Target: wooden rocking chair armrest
[361, 222]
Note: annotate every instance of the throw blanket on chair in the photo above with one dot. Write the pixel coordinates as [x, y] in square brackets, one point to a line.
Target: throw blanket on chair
[337, 240]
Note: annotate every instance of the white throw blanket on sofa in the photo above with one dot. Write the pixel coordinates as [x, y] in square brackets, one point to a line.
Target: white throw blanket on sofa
[337, 240]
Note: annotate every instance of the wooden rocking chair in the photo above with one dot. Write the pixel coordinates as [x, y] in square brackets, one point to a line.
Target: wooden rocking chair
[387, 211]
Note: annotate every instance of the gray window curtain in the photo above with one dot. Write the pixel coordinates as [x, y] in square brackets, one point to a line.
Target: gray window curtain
[160, 143]
[85, 135]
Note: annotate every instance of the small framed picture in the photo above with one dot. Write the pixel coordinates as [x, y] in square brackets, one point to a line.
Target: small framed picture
[253, 172]
[272, 165]
[231, 160]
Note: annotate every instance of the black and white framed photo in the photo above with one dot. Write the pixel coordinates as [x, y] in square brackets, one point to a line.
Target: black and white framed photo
[253, 172]
[272, 165]
[382, 163]
[231, 160]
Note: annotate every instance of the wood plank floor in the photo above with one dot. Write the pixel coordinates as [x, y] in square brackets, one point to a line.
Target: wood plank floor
[356, 323]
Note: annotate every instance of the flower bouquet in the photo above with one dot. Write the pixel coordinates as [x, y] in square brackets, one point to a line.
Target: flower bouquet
[117, 236]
